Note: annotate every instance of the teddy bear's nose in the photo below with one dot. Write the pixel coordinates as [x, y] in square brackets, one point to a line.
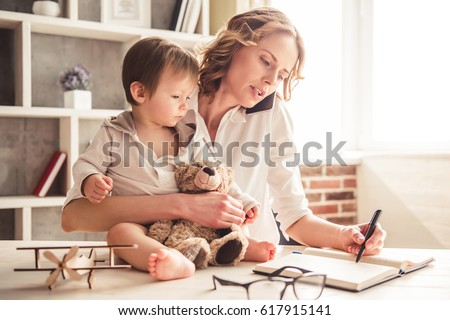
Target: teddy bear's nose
[209, 171]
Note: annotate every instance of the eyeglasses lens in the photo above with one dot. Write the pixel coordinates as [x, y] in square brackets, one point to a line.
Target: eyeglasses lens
[266, 290]
[309, 288]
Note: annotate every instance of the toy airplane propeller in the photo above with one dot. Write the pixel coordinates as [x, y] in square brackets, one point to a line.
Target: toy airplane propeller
[73, 266]
[62, 266]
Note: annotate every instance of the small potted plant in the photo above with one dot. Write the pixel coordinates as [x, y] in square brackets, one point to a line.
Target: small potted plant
[75, 83]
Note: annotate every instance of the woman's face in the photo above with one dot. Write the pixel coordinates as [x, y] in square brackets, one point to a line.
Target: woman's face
[255, 72]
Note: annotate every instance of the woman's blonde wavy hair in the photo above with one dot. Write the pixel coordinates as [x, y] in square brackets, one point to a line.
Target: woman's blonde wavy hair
[246, 29]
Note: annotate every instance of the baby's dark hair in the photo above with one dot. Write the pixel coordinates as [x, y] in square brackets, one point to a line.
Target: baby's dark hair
[146, 60]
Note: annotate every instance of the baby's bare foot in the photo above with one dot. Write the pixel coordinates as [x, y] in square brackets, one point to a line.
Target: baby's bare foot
[260, 251]
[169, 264]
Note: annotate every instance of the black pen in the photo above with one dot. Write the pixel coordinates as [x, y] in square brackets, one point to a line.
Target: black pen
[372, 225]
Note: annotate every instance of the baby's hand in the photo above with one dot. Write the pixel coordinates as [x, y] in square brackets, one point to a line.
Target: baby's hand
[251, 215]
[96, 187]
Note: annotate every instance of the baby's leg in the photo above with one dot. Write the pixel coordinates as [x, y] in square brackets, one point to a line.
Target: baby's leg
[259, 251]
[150, 255]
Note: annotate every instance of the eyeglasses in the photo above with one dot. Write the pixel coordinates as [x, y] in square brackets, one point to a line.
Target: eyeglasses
[306, 285]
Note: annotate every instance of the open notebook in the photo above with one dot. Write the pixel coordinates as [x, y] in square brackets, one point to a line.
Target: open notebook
[341, 269]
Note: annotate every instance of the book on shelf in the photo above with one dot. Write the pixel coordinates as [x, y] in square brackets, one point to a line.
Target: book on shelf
[191, 16]
[185, 15]
[178, 15]
[51, 172]
[342, 270]
[175, 13]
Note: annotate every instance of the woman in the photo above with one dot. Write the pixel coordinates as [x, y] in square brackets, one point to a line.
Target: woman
[250, 130]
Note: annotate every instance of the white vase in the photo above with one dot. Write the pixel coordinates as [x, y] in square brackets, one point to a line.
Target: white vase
[46, 8]
[78, 99]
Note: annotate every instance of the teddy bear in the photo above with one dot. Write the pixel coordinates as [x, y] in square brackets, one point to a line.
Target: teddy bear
[202, 245]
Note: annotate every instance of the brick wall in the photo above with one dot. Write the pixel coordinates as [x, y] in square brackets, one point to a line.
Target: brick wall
[331, 192]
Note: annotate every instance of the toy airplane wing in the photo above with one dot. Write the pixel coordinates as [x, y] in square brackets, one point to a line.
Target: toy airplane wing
[73, 265]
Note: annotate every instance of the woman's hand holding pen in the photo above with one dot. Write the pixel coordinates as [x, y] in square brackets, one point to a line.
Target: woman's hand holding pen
[353, 238]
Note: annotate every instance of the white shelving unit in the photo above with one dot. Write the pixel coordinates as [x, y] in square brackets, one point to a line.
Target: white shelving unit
[23, 26]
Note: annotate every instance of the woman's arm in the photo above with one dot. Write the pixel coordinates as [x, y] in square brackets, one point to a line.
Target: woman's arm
[290, 203]
[316, 232]
[209, 209]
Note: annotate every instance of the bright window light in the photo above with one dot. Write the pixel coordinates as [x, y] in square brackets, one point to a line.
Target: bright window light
[411, 73]
[316, 101]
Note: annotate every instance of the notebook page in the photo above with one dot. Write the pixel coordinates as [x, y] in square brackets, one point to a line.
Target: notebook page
[396, 260]
[384, 260]
[340, 273]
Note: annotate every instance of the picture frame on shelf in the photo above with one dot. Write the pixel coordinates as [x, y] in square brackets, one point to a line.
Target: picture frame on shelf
[133, 13]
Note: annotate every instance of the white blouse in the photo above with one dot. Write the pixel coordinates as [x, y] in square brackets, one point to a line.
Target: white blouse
[257, 144]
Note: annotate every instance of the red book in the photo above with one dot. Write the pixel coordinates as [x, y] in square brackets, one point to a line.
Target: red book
[50, 173]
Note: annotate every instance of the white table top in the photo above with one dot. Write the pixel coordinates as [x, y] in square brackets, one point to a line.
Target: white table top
[432, 282]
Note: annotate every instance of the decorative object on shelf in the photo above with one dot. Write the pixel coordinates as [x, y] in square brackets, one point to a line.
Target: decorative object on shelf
[78, 99]
[76, 82]
[46, 8]
[135, 13]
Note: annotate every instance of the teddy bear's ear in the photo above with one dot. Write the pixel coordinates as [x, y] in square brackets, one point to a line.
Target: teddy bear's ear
[226, 173]
[205, 163]
[226, 177]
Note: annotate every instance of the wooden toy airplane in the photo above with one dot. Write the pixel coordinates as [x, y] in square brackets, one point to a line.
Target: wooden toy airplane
[71, 265]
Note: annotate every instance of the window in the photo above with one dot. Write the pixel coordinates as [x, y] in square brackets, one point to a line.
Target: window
[410, 74]
[376, 73]
[316, 101]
